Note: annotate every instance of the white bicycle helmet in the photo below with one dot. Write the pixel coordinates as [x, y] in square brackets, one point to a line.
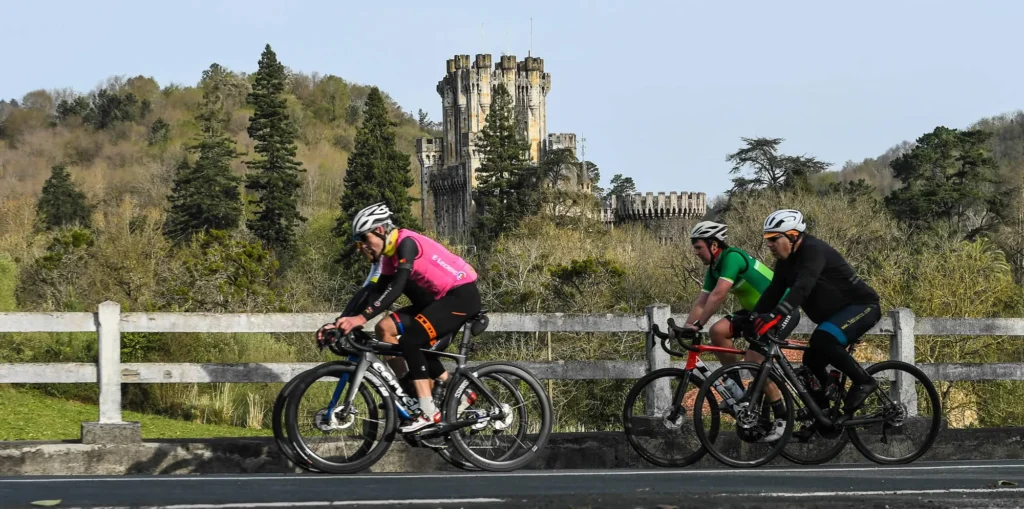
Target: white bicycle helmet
[708, 230]
[784, 221]
[370, 218]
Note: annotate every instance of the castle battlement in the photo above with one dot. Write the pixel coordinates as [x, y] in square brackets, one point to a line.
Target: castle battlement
[645, 206]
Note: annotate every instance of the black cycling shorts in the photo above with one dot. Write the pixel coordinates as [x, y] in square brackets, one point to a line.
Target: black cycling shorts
[852, 322]
[740, 324]
[422, 326]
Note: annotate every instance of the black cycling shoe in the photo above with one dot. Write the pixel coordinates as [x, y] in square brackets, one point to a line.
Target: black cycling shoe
[855, 399]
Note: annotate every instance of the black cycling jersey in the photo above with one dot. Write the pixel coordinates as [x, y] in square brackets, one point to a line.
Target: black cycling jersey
[818, 280]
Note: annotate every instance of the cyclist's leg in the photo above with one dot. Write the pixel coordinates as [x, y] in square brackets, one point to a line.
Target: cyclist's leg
[722, 334]
[828, 346]
[774, 396]
[389, 328]
[445, 315]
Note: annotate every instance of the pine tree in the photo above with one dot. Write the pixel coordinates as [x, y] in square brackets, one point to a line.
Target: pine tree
[61, 203]
[205, 195]
[275, 177]
[377, 170]
[507, 181]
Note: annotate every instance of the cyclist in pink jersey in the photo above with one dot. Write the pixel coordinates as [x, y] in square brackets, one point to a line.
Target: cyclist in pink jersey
[441, 286]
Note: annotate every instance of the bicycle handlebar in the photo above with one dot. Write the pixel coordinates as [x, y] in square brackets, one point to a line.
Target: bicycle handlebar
[678, 333]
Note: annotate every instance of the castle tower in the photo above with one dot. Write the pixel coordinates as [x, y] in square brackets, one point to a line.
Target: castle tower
[449, 163]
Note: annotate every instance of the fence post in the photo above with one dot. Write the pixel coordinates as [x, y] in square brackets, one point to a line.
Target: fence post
[659, 395]
[110, 429]
[901, 348]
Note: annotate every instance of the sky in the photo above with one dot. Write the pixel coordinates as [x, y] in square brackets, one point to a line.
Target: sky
[661, 90]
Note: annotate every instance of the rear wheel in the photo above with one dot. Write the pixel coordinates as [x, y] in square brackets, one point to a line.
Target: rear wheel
[911, 413]
[493, 442]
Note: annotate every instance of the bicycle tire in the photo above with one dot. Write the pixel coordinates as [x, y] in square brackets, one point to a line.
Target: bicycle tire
[825, 457]
[453, 398]
[627, 412]
[284, 443]
[933, 431]
[370, 383]
[702, 395]
[450, 454]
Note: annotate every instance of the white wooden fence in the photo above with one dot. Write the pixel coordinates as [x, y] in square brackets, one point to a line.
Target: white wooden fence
[109, 322]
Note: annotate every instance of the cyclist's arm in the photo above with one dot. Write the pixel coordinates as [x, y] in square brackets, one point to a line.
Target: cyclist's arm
[392, 287]
[698, 307]
[771, 295]
[729, 269]
[812, 262]
[714, 299]
[361, 297]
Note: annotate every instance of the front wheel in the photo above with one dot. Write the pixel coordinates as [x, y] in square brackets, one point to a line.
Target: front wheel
[284, 443]
[657, 418]
[347, 440]
[506, 396]
[749, 435]
[906, 405]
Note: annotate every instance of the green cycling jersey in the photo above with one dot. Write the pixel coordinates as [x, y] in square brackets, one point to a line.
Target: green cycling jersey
[749, 276]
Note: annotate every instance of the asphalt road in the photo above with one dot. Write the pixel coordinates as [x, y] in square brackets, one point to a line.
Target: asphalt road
[925, 484]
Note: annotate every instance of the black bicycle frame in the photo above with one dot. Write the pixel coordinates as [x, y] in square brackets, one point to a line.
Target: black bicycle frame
[780, 364]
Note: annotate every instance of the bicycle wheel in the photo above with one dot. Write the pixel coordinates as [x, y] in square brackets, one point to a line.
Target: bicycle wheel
[373, 409]
[451, 454]
[280, 434]
[506, 396]
[743, 441]
[654, 433]
[901, 416]
[812, 443]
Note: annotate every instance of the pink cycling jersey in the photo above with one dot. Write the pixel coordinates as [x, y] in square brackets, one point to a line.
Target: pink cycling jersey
[436, 269]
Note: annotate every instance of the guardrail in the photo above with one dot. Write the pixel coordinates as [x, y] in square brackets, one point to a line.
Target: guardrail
[109, 372]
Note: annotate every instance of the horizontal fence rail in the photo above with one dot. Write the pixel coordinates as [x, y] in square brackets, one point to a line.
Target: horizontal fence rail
[900, 326]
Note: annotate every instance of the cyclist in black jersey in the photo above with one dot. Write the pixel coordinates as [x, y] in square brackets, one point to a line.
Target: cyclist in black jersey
[813, 276]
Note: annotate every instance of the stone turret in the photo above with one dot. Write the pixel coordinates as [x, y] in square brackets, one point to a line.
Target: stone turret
[449, 163]
[465, 92]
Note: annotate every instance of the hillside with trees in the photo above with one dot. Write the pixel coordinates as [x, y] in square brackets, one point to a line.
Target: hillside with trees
[234, 195]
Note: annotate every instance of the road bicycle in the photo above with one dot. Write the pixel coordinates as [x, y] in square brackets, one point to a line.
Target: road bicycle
[369, 400]
[654, 426]
[888, 417]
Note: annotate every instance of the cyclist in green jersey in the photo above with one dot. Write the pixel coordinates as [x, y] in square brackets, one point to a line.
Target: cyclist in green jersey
[731, 270]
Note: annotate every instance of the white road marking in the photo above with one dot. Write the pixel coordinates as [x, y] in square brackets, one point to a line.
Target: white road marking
[542, 473]
[340, 503]
[893, 492]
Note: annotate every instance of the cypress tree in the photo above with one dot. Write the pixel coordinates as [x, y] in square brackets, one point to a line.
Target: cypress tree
[377, 170]
[275, 177]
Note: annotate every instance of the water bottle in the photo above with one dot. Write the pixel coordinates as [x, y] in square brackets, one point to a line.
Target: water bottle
[726, 393]
[734, 388]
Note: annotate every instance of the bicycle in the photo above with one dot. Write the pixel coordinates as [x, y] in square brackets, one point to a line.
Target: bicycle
[296, 457]
[889, 415]
[384, 400]
[660, 418]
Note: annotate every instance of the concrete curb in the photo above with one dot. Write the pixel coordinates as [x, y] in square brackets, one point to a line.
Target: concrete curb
[605, 450]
